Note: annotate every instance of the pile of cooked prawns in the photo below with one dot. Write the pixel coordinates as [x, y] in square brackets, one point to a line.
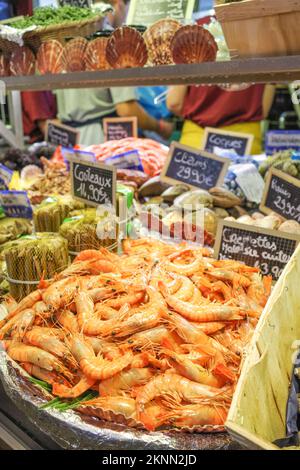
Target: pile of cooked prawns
[158, 332]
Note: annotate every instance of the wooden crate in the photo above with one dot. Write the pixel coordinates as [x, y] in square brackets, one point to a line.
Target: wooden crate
[261, 28]
[257, 415]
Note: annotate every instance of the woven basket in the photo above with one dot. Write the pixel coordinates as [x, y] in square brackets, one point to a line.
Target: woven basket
[62, 32]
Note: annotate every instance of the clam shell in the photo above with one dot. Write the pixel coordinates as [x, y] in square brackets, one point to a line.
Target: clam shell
[158, 39]
[193, 45]
[22, 61]
[4, 66]
[74, 54]
[49, 57]
[95, 55]
[126, 48]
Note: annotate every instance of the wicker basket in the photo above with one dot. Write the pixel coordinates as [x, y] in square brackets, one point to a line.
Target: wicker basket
[34, 39]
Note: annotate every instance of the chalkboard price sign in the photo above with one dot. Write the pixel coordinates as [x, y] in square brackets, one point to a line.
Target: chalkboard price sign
[282, 195]
[93, 183]
[239, 143]
[198, 169]
[268, 250]
[120, 128]
[59, 134]
[75, 3]
[148, 12]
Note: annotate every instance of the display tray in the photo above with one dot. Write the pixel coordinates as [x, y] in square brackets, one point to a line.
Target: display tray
[70, 430]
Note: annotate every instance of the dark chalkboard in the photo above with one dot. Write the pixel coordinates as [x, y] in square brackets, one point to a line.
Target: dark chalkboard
[59, 134]
[268, 250]
[93, 183]
[75, 3]
[198, 169]
[147, 12]
[240, 143]
[282, 195]
[120, 128]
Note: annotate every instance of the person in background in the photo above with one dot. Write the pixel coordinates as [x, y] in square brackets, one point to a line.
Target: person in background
[84, 109]
[22, 7]
[37, 108]
[237, 108]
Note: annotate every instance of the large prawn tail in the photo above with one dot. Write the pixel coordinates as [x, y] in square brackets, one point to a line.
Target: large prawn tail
[224, 372]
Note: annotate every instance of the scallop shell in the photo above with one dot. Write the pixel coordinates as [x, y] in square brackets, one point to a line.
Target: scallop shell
[193, 45]
[73, 55]
[49, 57]
[4, 66]
[126, 48]
[95, 55]
[22, 61]
[158, 39]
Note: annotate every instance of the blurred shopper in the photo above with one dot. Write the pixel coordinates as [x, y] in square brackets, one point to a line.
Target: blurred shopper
[37, 108]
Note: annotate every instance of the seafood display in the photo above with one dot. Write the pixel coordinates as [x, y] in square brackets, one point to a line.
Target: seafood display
[287, 161]
[54, 181]
[153, 155]
[153, 339]
[166, 42]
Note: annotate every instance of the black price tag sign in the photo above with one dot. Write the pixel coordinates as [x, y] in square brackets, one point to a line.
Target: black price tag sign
[282, 195]
[59, 134]
[76, 3]
[120, 128]
[93, 183]
[240, 143]
[147, 12]
[268, 250]
[198, 169]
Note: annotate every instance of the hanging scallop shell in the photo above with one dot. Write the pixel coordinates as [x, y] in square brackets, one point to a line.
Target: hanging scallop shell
[49, 57]
[95, 55]
[22, 61]
[158, 39]
[193, 45]
[126, 48]
[4, 66]
[73, 55]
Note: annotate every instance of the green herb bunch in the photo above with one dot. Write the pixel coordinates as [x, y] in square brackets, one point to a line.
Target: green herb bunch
[46, 16]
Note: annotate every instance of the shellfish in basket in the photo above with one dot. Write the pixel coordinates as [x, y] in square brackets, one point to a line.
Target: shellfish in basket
[95, 55]
[158, 39]
[49, 57]
[126, 48]
[74, 54]
[4, 66]
[193, 45]
[22, 62]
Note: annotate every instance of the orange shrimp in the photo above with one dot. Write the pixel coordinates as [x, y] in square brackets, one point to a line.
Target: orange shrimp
[195, 416]
[125, 381]
[61, 293]
[27, 303]
[68, 321]
[180, 388]
[49, 342]
[24, 353]
[42, 374]
[202, 313]
[101, 369]
[187, 368]
[17, 326]
[131, 299]
[63, 391]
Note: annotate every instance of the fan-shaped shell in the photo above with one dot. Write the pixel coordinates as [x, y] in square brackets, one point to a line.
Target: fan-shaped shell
[126, 48]
[158, 39]
[49, 57]
[22, 61]
[193, 45]
[73, 55]
[4, 66]
[95, 55]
